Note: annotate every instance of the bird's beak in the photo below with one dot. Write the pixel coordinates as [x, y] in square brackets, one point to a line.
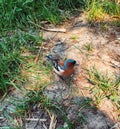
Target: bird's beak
[76, 64]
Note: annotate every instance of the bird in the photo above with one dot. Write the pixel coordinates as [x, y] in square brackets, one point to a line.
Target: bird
[63, 69]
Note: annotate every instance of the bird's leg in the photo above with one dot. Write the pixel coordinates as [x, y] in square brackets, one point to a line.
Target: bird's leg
[61, 78]
[69, 81]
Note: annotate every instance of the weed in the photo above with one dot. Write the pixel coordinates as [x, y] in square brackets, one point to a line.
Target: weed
[77, 47]
[35, 75]
[88, 47]
[19, 109]
[60, 111]
[74, 37]
[111, 7]
[116, 23]
[11, 47]
[98, 10]
[18, 13]
[82, 117]
[95, 11]
[104, 26]
[104, 87]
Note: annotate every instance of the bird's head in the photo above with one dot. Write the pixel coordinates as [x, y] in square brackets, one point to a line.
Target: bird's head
[70, 63]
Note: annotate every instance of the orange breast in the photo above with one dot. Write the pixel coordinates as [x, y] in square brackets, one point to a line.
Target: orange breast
[68, 72]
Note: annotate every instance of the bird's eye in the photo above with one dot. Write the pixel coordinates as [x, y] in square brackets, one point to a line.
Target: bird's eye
[74, 62]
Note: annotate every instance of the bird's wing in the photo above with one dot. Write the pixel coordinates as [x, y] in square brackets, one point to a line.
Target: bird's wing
[61, 63]
[59, 67]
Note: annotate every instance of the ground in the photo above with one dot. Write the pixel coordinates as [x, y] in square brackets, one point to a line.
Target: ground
[91, 47]
[104, 55]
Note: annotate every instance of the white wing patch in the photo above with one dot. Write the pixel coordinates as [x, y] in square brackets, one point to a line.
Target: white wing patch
[60, 69]
[60, 72]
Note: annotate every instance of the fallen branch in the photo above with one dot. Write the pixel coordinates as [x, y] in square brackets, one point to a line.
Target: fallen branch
[62, 30]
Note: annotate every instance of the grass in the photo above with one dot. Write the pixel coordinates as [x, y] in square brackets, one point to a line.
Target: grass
[18, 13]
[12, 45]
[36, 75]
[103, 11]
[36, 100]
[74, 37]
[88, 47]
[104, 87]
[21, 108]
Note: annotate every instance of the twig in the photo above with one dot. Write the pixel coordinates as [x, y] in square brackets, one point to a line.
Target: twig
[3, 97]
[39, 53]
[44, 126]
[40, 114]
[116, 126]
[48, 112]
[1, 118]
[34, 119]
[53, 122]
[63, 30]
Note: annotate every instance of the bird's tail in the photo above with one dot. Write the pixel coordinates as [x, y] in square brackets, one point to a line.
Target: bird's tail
[49, 57]
[53, 60]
